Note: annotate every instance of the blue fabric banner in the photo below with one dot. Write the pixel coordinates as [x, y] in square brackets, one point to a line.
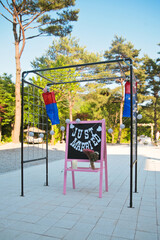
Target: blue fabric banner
[52, 112]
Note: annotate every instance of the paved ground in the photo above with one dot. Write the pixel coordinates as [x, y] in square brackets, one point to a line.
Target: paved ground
[10, 155]
[44, 213]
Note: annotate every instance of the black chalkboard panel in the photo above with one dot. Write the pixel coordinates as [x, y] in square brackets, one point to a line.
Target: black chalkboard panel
[84, 136]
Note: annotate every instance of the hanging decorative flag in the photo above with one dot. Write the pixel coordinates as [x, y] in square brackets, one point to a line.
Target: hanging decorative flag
[51, 107]
[127, 101]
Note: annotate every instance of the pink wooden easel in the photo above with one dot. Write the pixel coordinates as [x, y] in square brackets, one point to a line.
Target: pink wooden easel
[68, 162]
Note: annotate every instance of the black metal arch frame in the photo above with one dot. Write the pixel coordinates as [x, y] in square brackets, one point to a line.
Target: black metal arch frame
[133, 132]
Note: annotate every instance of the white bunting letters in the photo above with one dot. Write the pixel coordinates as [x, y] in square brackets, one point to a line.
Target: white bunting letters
[88, 134]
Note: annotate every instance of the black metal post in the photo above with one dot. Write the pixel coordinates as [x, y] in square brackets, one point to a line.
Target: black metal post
[46, 151]
[22, 101]
[131, 138]
[136, 143]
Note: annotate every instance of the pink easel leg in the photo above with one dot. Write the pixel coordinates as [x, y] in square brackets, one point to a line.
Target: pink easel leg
[100, 185]
[65, 181]
[73, 180]
[101, 180]
[106, 176]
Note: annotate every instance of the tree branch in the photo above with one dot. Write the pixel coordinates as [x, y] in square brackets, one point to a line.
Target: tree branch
[26, 25]
[35, 27]
[33, 36]
[6, 8]
[20, 29]
[24, 2]
[6, 18]
[8, 4]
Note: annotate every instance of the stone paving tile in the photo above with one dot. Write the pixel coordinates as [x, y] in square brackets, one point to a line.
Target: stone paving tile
[61, 209]
[30, 218]
[83, 227]
[118, 238]
[27, 236]
[93, 213]
[147, 220]
[56, 232]
[47, 238]
[46, 214]
[29, 227]
[76, 210]
[147, 227]
[40, 212]
[8, 234]
[123, 224]
[71, 217]
[124, 232]
[98, 236]
[5, 223]
[76, 235]
[47, 221]
[145, 235]
[4, 214]
[88, 219]
[104, 227]
[65, 224]
[55, 214]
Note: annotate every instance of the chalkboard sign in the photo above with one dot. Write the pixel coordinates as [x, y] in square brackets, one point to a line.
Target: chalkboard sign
[84, 135]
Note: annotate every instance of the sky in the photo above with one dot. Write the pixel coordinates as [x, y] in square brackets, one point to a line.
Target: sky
[138, 21]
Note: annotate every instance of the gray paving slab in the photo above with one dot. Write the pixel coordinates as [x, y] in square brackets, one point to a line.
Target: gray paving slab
[45, 213]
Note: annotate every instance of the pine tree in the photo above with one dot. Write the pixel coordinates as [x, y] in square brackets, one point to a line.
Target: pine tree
[65, 51]
[33, 17]
[151, 90]
[122, 49]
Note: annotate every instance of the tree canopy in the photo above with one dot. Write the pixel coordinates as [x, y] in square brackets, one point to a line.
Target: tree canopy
[32, 19]
[95, 99]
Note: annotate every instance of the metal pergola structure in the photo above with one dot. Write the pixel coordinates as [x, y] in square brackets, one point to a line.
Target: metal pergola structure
[32, 91]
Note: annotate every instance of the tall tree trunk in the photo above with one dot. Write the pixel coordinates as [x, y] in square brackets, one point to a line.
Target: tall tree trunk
[16, 132]
[121, 114]
[18, 53]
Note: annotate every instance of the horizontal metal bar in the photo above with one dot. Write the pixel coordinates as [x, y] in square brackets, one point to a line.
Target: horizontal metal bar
[35, 114]
[41, 106]
[31, 84]
[34, 123]
[43, 77]
[77, 65]
[86, 80]
[34, 160]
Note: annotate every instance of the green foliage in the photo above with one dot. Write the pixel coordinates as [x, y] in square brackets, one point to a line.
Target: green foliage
[49, 17]
[65, 51]
[151, 99]
[7, 99]
[87, 101]
[6, 139]
[121, 49]
[31, 19]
